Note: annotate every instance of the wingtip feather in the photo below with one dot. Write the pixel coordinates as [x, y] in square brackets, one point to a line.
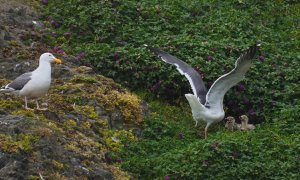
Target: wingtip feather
[258, 43]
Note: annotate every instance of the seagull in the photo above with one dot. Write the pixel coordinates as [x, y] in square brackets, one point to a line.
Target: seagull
[33, 84]
[208, 105]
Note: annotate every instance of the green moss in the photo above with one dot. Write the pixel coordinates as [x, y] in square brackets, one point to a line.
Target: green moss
[61, 39]
[114, 140]
[23, 54]
[10, 104]
[130, 107]
[85, 125]
[77, 100]
[58, 103]
[13, 43]
[27, 113]
[104, 91]
[25, 141]
[57, 165]
[85, 146]
[69, 124]
[20, 142]
[83, 79]
[87, 111]
[3, 82]
[33, 177]
[7, 144]
[53, 126]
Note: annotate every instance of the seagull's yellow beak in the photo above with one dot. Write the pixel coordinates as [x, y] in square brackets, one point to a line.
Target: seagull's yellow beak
[58, 61]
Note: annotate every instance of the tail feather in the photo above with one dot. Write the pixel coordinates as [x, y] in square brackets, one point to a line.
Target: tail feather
[195, 104]
[6, 89]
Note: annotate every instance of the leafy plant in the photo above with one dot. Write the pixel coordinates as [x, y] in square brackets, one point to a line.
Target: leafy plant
[208, 35]
[172, 149]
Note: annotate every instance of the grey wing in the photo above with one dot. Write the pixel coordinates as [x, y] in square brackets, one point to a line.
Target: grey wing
[217, 91]
[190, 73]
[19, 82]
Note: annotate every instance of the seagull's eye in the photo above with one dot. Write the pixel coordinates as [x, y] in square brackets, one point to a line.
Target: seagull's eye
[49, 55]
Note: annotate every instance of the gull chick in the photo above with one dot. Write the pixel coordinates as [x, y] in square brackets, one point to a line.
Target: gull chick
[208, 105]
[230, 123]
[32, 85]
[244, 123]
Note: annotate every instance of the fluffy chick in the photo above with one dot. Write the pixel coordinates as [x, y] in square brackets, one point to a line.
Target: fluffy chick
[244, 123]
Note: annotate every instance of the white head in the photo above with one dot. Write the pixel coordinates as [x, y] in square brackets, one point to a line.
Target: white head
[48, 57]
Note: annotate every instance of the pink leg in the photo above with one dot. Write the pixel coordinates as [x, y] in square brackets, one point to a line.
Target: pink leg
[205, 133]
[38, 107]
[25, 102]
[26, 107]
[205, 130]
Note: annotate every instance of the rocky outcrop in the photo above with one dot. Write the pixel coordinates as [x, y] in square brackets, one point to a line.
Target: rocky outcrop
[88, 115]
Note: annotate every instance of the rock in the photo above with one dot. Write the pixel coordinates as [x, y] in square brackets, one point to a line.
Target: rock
[4, 36]
[116, 120]
[62, 72]
[3, 160]
[58, 143]
[84, 69]
[104, 118]
[100, 174]
[100, 111]
[38, 24]
[145, 109]
[21, 11]
[11, 170]
[10, 71]
[52, 116]
[22, 67]
[137, 132]
[80, 170]
[3, 112]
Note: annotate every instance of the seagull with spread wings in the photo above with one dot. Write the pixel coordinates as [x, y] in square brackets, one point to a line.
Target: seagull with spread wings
[208, 105]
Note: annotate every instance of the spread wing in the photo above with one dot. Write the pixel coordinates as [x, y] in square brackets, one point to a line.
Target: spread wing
[190, 73]
[215, 95]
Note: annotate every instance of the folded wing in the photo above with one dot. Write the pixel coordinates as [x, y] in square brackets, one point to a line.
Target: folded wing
[19, 82]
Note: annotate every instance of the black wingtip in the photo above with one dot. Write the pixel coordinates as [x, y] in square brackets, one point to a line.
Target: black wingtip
[156, 51]
[258, 43]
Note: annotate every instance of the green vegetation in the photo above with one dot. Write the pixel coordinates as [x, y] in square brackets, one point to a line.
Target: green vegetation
[170, 147]
[209, 35]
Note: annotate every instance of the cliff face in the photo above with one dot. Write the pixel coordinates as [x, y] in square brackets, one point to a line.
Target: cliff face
[88, 115]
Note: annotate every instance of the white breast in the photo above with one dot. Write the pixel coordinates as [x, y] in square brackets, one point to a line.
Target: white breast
[209, 116]
[37, 86]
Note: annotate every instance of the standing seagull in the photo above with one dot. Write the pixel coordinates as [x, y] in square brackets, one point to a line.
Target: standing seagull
[208, 105]
[33, 84]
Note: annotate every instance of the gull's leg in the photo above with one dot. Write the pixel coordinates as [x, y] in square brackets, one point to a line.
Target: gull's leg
[196, 123]
[205, 130]
[26, 107]
[37, 104]
[205, 133]
[38, 107]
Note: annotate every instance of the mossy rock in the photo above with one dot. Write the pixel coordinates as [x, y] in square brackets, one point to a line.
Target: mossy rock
[83, 93]
[73, 125]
